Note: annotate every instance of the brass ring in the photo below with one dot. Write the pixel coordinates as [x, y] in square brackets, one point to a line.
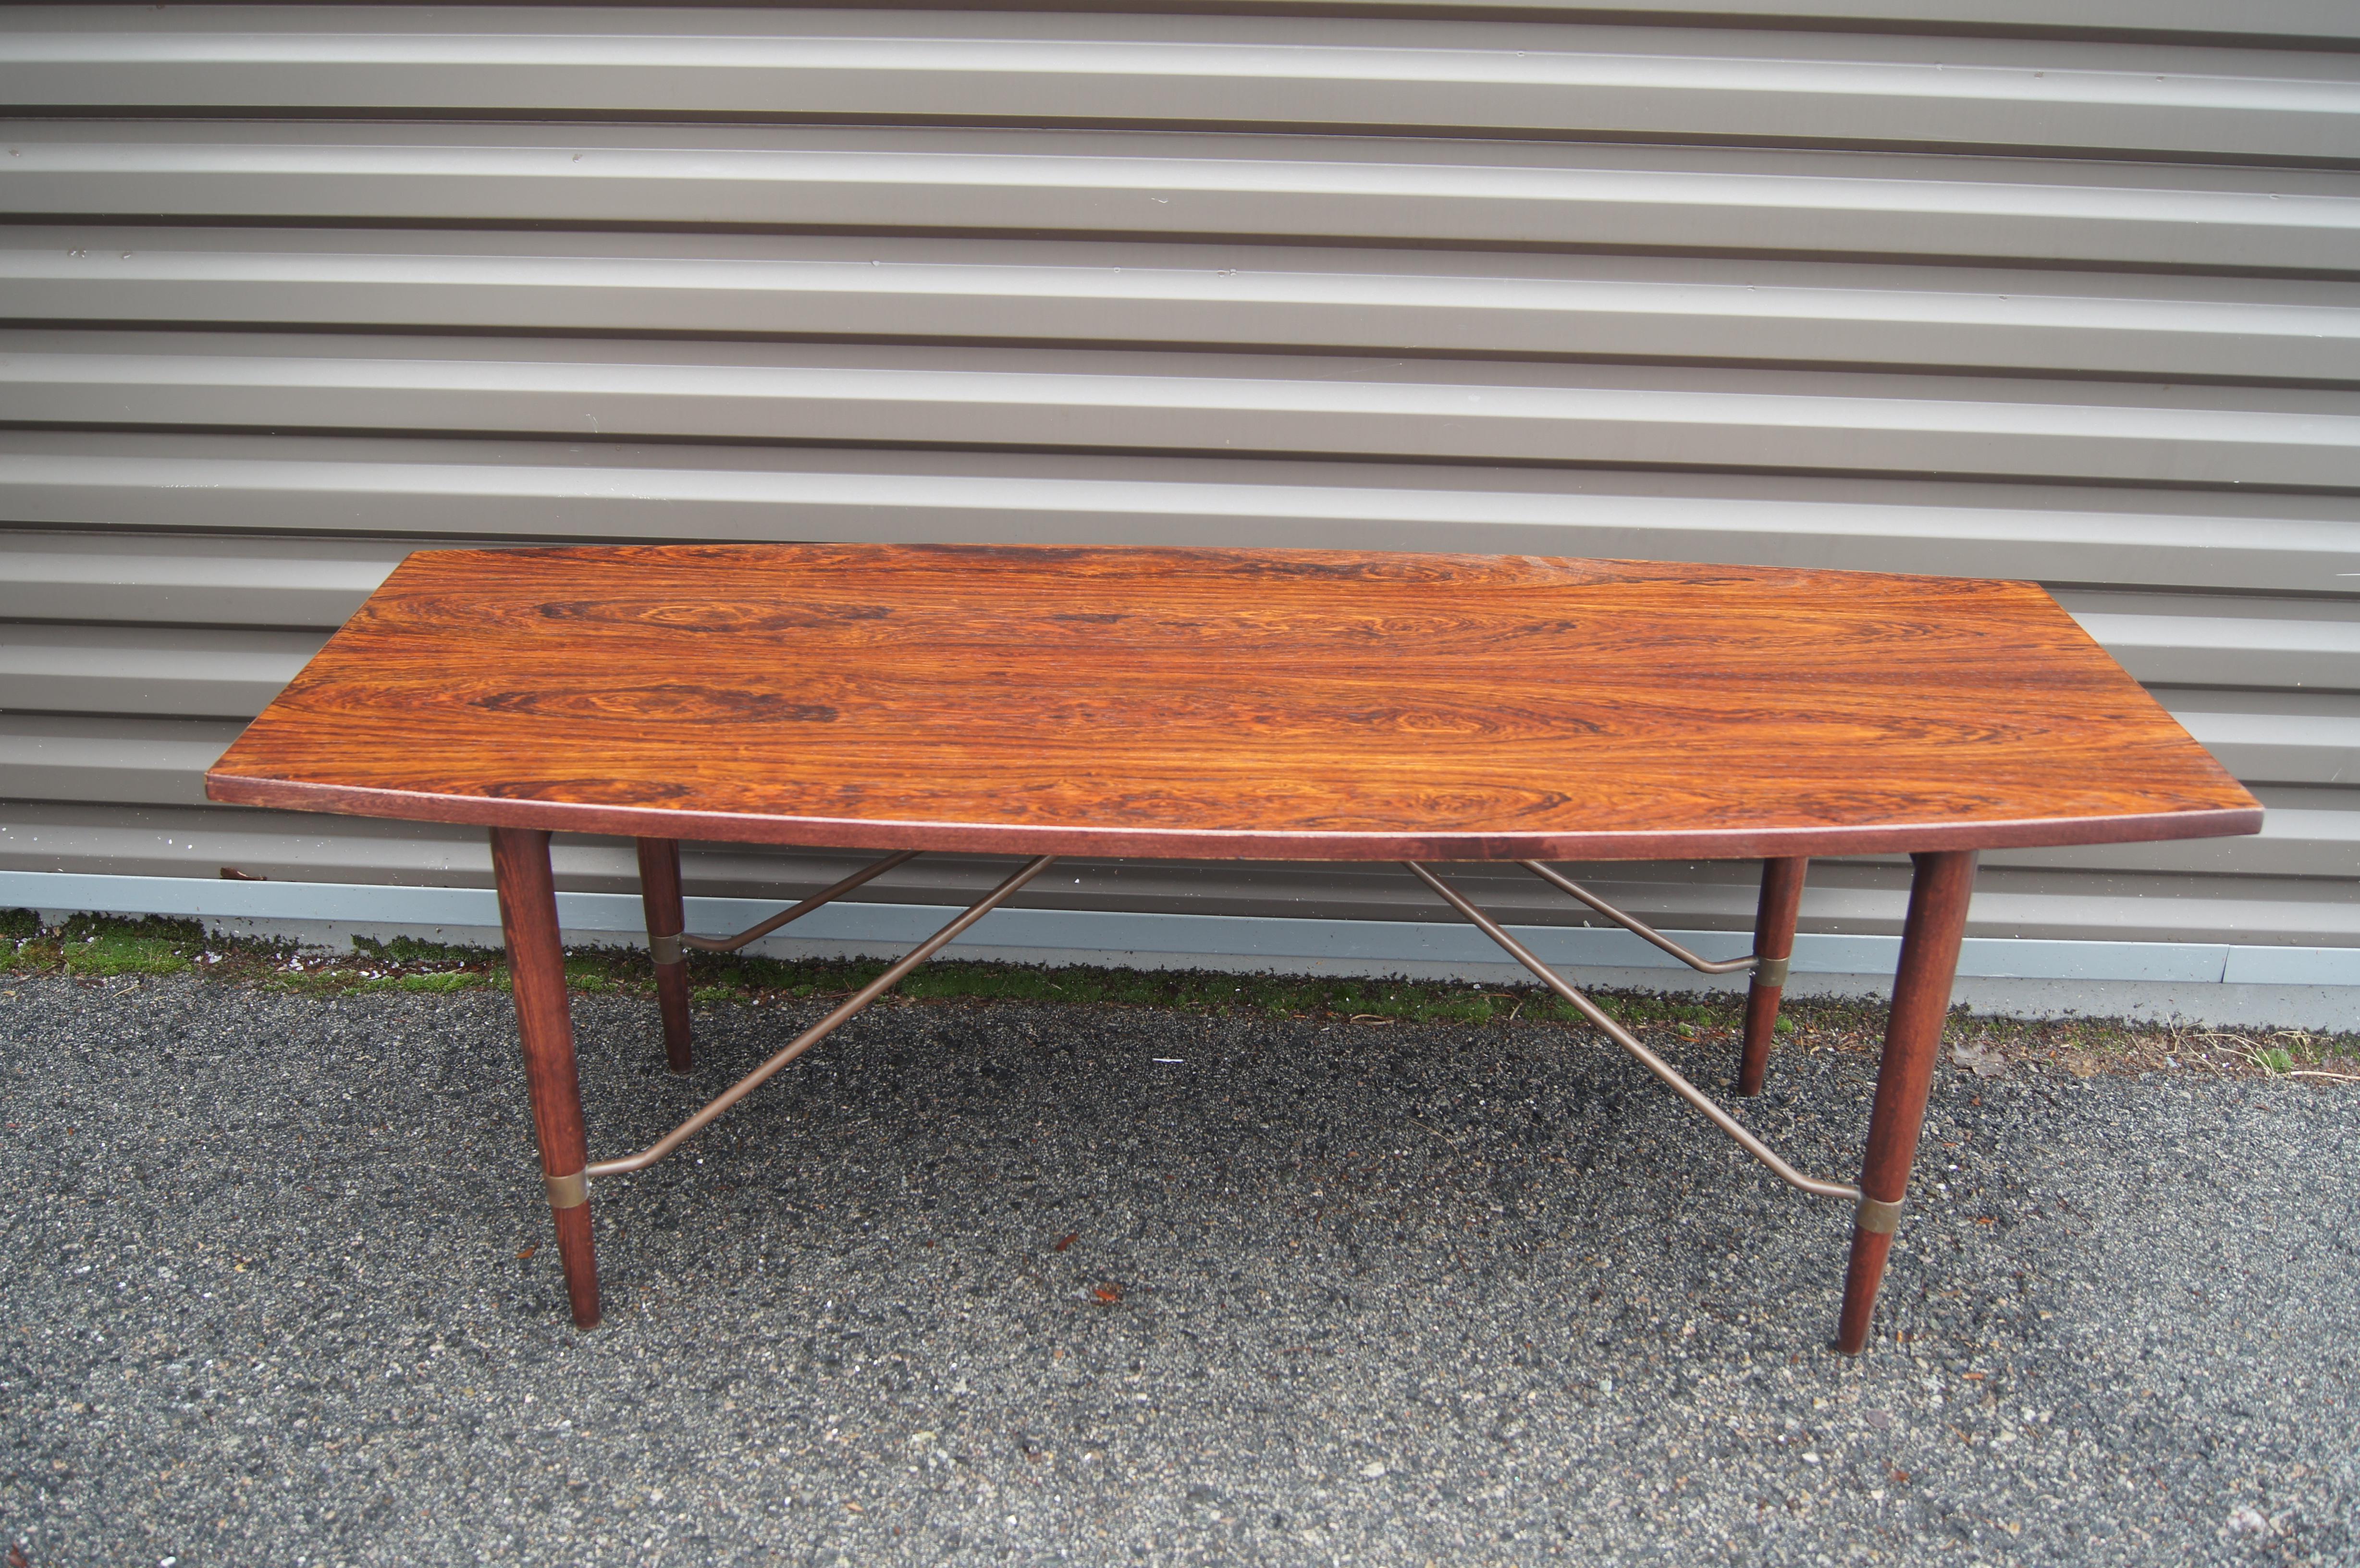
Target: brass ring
[1877, 1218]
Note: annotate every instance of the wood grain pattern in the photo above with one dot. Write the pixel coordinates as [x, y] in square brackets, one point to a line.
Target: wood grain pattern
[1279, 704]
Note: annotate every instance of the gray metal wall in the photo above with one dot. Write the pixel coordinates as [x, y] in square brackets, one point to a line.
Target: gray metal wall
[2059, 291]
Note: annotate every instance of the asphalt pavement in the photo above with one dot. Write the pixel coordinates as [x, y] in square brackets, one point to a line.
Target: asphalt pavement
[1001, 1283]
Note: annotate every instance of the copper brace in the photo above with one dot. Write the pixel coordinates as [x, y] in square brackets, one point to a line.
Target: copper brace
[841, 1015]
[1653, 1063]
[1646, 933]
[868, 873]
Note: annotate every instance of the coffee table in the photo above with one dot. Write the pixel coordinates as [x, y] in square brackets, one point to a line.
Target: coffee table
[1227, 704]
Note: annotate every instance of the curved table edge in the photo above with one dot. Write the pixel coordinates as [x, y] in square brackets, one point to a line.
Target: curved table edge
[1000, 838]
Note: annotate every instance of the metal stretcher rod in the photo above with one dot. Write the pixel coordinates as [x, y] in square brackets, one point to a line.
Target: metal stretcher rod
[1637, 928]
[819, 1031]
[866, 874]
[1630, 1043]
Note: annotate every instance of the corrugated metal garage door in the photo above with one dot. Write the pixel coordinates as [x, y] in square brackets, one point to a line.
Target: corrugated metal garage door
[2059, 291]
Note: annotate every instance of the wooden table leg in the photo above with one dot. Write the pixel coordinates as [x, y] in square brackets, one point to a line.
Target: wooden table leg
[546, 1025]
[1913, 1037]
[1774, 943]
[660, 894]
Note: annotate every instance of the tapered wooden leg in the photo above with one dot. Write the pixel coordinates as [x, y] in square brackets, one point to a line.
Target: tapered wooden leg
[660, 893]
[1774, 943]
[1913, 1037]
[546, 1025]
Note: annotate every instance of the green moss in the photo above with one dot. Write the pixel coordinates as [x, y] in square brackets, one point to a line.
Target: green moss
[404, 951]
[590, 975]
[459, 981]
[93, 945]
[83, 928]
[124, 955]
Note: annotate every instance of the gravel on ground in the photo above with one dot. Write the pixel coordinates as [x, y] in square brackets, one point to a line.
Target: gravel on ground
[1019, 1283]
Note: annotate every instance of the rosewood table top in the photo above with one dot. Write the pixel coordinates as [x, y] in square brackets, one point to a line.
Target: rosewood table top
[1280, 704]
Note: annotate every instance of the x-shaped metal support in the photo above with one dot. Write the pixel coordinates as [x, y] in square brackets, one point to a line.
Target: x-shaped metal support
[1921, 995]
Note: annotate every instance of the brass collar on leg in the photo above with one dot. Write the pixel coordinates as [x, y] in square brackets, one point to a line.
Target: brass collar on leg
[568, 1192]
[1877, 1218]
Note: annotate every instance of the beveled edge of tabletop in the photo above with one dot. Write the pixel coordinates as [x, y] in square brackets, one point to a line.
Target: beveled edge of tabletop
[884, 835]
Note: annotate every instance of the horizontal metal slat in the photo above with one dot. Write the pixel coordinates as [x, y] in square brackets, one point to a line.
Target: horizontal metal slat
[2297, 21]
[2275, 737]
[1186, 186]
[475, 490]
[145, 762]
[181, 671]
[2156, 909]
[1699, 417]
[2320, 20]
[1028, 67]
[248, 581]
[200, 841]
[1218, 295]
[2234, 650]
[2295, 841]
